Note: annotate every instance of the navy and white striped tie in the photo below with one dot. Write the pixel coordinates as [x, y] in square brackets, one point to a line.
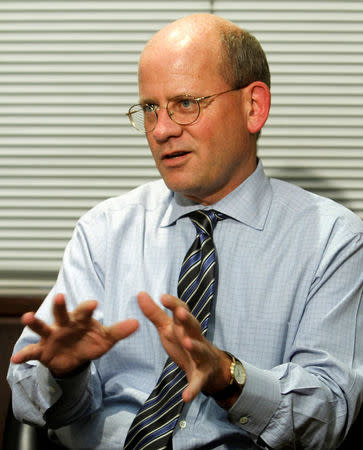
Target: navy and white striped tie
[153, 425]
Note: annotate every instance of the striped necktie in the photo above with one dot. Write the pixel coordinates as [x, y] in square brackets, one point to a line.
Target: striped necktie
[153, 425]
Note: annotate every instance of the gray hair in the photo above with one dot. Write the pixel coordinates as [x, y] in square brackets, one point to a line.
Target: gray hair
[243, 59]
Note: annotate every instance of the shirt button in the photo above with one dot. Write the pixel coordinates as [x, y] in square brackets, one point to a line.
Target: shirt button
[182, 424]
[243, 420]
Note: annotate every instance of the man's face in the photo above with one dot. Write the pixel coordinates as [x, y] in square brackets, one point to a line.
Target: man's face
[205, 160]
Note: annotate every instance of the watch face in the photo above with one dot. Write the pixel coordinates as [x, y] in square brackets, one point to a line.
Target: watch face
[239, 373]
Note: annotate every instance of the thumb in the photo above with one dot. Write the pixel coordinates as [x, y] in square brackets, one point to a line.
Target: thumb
[122, 330]
[152, 311]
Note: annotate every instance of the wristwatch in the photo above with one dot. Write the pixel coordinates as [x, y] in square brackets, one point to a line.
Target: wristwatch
[238, 373]
[238, 380]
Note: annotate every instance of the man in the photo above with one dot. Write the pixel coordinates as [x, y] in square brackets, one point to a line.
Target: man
[288, 305]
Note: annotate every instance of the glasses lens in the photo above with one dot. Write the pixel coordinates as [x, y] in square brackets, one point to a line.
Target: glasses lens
[142, 117]
[184, 110]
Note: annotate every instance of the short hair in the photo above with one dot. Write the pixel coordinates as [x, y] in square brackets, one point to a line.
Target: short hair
[243, 59]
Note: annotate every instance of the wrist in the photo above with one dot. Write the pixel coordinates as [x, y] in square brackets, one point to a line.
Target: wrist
[64, 375]
[234, 381]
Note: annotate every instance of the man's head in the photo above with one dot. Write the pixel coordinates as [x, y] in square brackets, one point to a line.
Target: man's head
[202, 55]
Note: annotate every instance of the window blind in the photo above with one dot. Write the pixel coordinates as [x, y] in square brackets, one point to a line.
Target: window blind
[313, 137]
[68, 70]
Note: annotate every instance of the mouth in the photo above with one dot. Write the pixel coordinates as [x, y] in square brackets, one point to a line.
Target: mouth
[175, 155]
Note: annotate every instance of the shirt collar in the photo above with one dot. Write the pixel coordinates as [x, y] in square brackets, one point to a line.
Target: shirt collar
[249, 203]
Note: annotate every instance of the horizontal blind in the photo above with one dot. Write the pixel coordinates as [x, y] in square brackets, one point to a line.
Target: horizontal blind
[314, 136]
[68, 70]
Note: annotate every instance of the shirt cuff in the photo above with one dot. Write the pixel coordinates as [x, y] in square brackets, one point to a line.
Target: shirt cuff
[258, 402]
[75, 384]
[71, 399]
[69, 389]
[48, 387]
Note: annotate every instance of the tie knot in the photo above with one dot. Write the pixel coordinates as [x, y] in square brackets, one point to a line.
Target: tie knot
[205, 220]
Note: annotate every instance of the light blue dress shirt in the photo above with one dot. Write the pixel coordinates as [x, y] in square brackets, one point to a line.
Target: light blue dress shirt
[289, 306]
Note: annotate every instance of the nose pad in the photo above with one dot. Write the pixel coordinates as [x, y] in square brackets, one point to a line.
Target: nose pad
[160, 117]
[165, 126]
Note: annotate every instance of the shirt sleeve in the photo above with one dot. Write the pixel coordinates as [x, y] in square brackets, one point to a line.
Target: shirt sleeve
[35, 393]
[40, 399]
[311, 399]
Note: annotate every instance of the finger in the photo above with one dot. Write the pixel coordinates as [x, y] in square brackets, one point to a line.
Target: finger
[194, 387]
[35, 324]
[60, 313]
[172, 303]
[122, 330]
[199, 353]
[84, 312]
[30, 352]
[190, 324]
[152, 311]
[197, 348]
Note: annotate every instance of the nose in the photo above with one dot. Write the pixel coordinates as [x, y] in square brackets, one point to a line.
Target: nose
[165, 127]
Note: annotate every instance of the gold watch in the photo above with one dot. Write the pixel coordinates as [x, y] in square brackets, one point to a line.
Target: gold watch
[238, 380]
[238, 373]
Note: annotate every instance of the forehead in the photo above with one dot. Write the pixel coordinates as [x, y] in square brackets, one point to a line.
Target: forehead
[174, 67]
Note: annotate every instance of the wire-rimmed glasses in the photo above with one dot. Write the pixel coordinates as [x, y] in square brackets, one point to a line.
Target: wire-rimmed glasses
[182, 109]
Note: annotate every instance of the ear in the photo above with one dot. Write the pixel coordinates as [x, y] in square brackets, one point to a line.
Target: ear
[259, 106]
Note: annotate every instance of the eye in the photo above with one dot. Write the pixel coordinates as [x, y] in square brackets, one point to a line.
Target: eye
[149, 108]
[186, 103]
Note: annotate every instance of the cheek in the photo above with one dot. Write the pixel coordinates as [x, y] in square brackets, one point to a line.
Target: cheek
[209, 135]
[225, 147]
[152, 146]
[215, 144]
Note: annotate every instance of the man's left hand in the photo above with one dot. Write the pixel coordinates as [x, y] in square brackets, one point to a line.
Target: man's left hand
[206, 367]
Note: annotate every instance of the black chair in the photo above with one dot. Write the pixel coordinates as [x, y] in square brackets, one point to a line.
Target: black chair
[20, 436]
[351, 442]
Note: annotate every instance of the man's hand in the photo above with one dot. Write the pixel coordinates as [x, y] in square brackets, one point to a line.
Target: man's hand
[206, 367]
[74, 338]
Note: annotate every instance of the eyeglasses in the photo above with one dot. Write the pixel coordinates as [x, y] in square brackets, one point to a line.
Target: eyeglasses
[183, 110]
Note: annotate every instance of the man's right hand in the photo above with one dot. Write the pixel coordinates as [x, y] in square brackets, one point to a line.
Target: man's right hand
[74, 338]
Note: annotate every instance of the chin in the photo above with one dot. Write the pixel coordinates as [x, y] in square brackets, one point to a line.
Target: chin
[178, 185]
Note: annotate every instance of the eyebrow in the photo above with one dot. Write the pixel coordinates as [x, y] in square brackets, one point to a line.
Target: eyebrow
[147, 101]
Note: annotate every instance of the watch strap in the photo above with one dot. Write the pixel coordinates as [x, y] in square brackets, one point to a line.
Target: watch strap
[233, 388]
